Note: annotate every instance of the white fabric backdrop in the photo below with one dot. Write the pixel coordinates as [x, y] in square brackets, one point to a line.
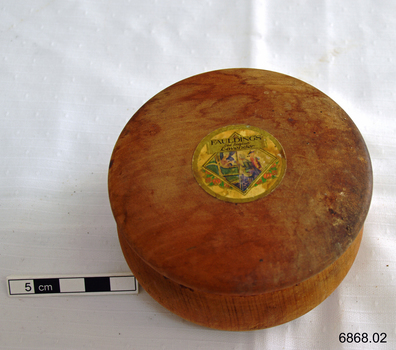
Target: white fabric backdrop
[74, 72]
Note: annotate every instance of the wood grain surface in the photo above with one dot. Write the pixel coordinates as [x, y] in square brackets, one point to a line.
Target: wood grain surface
[169, 223]
[242, 312]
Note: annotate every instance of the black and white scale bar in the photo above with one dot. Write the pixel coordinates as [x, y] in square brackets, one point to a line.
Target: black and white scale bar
[72, 285]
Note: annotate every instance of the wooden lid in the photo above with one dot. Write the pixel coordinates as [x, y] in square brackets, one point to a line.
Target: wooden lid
[274, 241]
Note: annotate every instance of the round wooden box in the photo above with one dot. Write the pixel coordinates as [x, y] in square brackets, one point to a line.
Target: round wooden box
[240, 197]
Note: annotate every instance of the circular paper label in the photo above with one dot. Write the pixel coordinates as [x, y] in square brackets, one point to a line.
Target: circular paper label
[239, 163]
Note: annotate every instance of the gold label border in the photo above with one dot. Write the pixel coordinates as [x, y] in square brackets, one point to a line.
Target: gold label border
[267, 163]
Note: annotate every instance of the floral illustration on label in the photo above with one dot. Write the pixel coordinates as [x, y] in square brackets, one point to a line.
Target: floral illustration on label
[239, 163]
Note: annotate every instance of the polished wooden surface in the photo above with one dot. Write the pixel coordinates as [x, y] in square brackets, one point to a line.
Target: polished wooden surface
[241, 312]
[167, 222]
